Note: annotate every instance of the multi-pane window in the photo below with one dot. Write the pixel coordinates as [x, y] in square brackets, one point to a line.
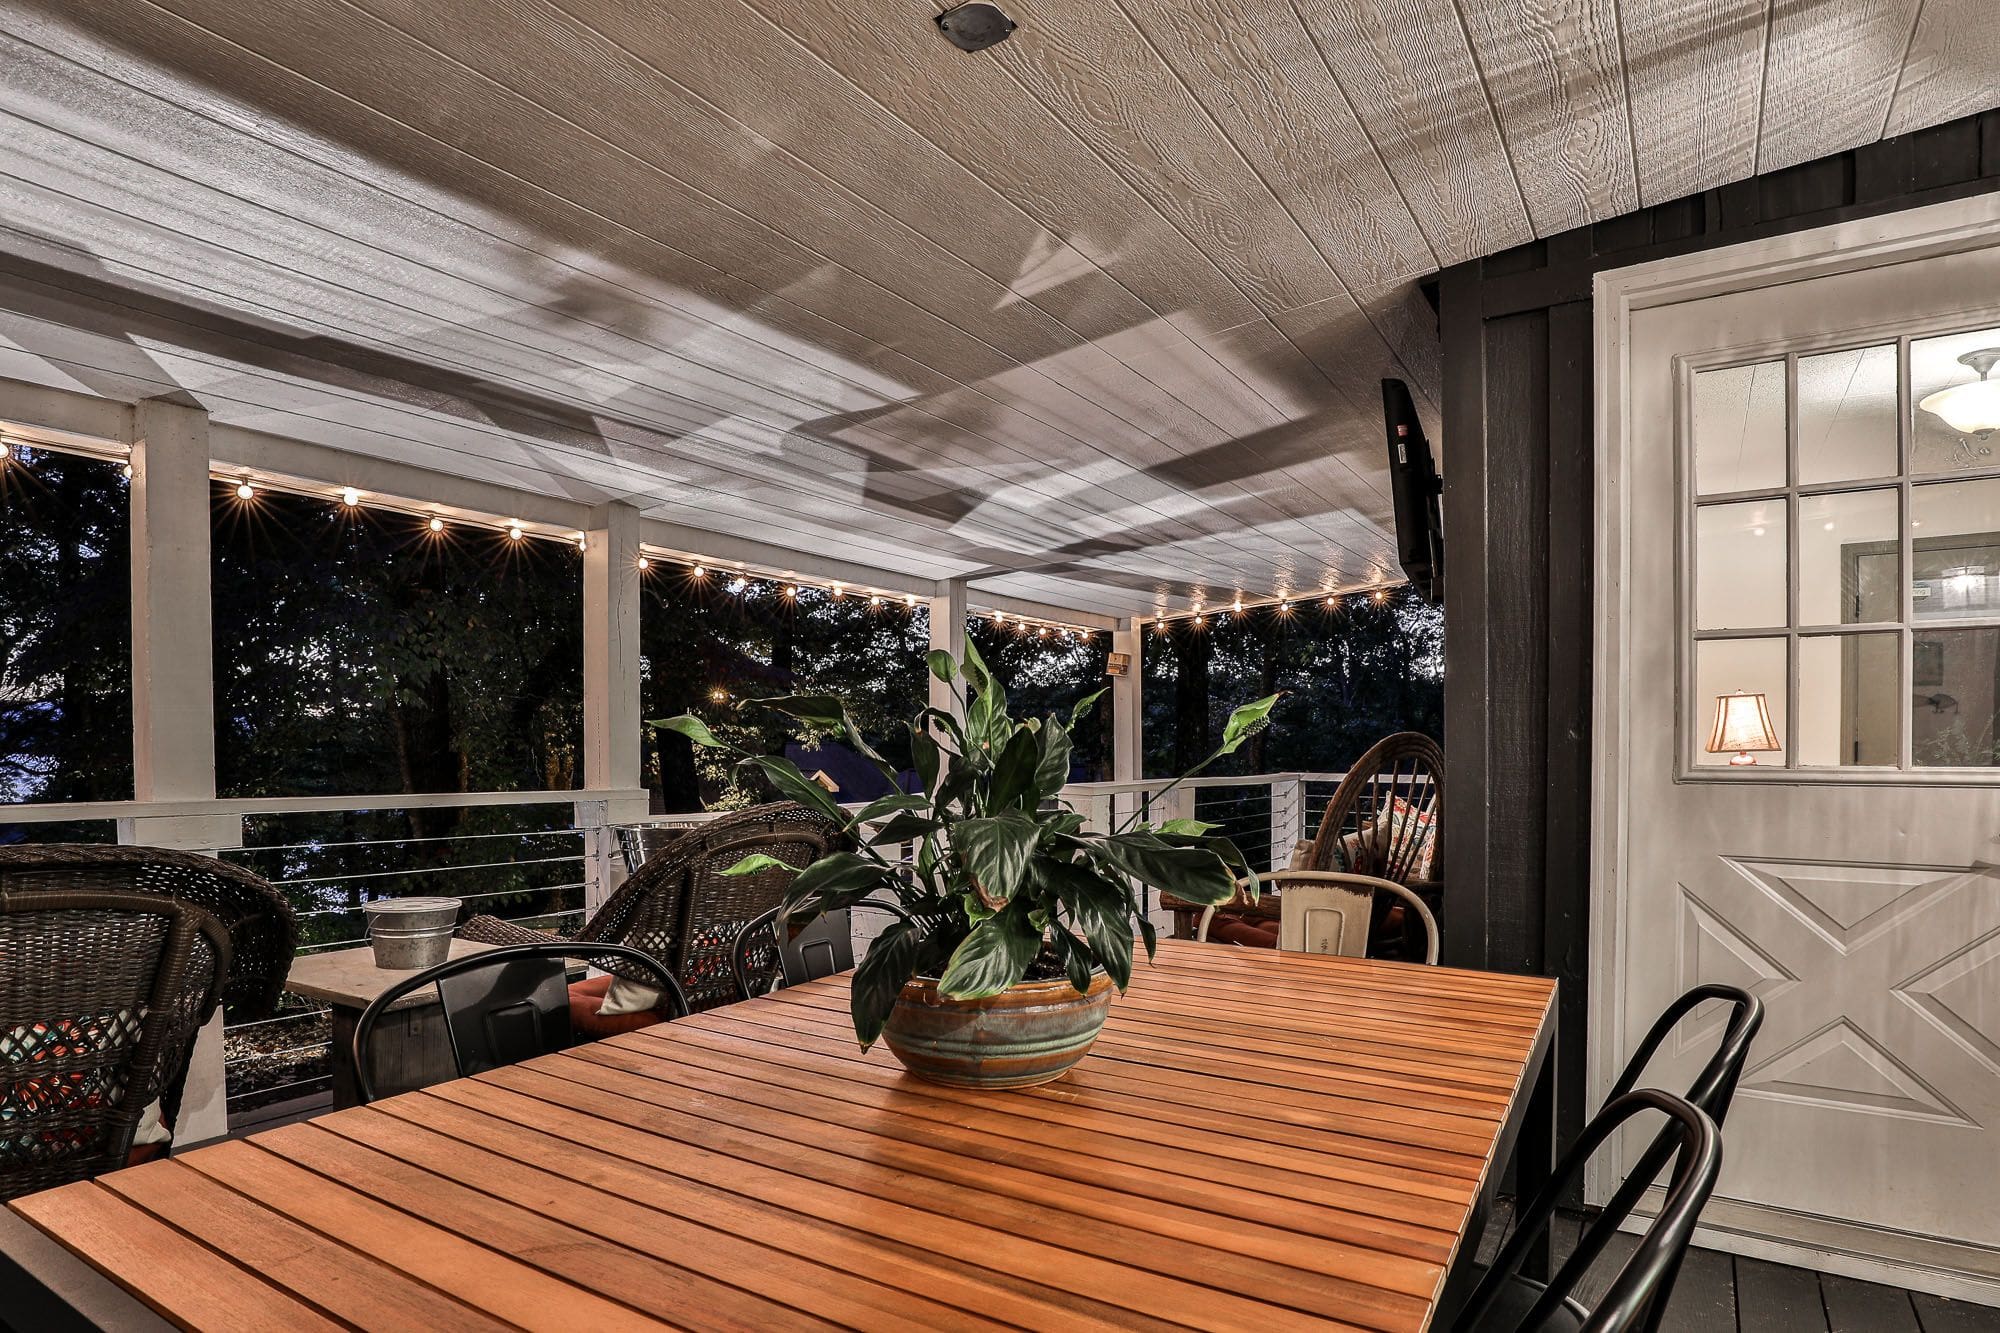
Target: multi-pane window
[1844, 542]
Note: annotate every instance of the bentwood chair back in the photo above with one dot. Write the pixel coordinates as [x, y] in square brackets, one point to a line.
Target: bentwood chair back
[1325, 911]
[1506, 1302]
[505, 1005]
[768, 957]
[101, 995]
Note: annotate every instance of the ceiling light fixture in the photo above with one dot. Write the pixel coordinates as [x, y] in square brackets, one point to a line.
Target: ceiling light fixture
[975, 27]
[1972, 409]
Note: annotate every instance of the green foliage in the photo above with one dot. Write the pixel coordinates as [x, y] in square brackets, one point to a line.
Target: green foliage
[1004, 882]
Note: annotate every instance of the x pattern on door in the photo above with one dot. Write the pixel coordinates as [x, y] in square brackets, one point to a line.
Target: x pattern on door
[1878, 981]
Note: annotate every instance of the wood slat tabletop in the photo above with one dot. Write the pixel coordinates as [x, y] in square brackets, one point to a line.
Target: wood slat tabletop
[1258, 1140]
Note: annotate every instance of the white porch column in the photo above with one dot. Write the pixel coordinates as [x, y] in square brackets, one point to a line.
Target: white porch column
[173, 684]
[611, 703]
[948, 633]
[1128, 763]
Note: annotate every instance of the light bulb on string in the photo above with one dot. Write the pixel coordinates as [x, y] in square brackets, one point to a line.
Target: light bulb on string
[909, 599]
[514, 532]
[436, 524]
[1381, 596]
[875, 599]
[699, 572]
[126, 472]
[582, 542]
[1237, 606]
[838, 592]
[791, 592]
[350, 497]
[245, 491]
[6, 451]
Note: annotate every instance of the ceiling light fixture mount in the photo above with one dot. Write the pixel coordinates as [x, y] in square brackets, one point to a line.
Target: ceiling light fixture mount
[975, 27]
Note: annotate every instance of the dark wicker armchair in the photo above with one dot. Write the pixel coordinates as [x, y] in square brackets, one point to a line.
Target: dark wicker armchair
[263, 931]
[101, 995]
[680, 907]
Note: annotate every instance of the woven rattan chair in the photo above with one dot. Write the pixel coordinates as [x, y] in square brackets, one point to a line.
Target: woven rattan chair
[680, 907]
[263, 931]
[101, 995]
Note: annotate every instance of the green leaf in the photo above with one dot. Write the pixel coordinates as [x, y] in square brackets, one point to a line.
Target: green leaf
[1076, 959]
[891, 961]
[888, 805]
[1149, 934]
[903, 828]
[836, 880]
[1098, 909]
[1193, 828]
[822, 711]
[941, 665]
[1246, 722]
[757, 862]
[1014, 772]
[1238, 864]
[1052, 765]
[994, 851]
[924, 757]
[1194, 874]
[785, 776]
[993, 957]
[1083, 706]
[696, 730]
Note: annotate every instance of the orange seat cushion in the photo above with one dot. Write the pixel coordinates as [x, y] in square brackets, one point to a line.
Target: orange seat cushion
[587, 997]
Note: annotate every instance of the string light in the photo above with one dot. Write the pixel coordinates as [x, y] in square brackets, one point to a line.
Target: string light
[350, 497]
[791, 591]
[244, 490]
[582, 542]
[876, 600]
[1381, 596]
[437, 525]
[126, 472]
[838, 592]
[909, 599]
[514, 532]
[6, 451]
[699, 572]
[1237, 606]
[1332, 602]
[645, 562]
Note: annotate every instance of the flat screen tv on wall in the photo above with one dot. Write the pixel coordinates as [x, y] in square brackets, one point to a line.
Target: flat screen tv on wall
[1414, 485]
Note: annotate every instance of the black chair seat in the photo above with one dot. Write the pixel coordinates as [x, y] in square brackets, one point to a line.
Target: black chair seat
[1517, 1300]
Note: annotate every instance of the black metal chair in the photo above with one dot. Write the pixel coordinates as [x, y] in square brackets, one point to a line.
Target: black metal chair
[767, 958]
[1506, 1302]
[506, 1005]
[101, 995]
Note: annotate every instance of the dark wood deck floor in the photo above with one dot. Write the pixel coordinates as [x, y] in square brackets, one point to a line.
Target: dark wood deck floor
[1721, 1293]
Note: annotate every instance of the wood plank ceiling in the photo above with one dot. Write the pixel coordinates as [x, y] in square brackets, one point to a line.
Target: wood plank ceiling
[1094, 318]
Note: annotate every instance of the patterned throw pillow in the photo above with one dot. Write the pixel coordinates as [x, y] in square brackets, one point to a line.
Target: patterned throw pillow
[25, 1097]
[1413, 832]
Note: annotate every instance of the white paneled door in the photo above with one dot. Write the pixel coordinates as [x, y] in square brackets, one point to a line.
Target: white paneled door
[1779, 516]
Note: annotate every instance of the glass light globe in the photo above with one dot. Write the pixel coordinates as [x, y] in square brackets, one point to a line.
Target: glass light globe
[1970, 409]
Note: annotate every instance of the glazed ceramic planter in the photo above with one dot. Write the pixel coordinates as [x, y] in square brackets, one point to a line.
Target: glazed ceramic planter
[1029, 1033]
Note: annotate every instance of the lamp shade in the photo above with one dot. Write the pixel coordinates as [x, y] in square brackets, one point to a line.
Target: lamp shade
[1970, 409]
[1742, 724]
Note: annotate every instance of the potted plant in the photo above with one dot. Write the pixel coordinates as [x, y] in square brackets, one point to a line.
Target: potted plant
[1013, 921]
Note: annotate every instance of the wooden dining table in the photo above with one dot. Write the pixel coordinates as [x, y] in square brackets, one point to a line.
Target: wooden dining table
[1258, 1140]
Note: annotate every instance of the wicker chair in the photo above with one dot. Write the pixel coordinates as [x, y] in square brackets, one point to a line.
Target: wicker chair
[680, 907]
[263, 931]
[101, 995]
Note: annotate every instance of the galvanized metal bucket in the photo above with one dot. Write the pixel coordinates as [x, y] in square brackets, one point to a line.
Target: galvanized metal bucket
[411, 933]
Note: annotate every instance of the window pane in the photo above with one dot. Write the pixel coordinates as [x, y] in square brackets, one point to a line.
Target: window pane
[1848, 710]
[1847, 415]
[1739, 428]
[1739, 560]
[1848, 556]
[1729, 666]
[65, 633]
[1955, 532]
[1951, 423]
[357, 652]
[1955, 696]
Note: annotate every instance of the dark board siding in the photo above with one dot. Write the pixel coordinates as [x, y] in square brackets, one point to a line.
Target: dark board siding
[1516, 331]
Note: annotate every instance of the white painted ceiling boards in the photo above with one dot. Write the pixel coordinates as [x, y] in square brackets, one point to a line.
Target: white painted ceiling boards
[1096, 317]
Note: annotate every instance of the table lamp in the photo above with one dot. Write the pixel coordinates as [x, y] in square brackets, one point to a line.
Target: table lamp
[1742, 724]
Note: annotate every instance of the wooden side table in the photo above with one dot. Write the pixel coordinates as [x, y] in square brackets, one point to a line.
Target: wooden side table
[410, 1048]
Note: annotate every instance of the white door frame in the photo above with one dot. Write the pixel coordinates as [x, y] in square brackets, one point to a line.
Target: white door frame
[1939, 229]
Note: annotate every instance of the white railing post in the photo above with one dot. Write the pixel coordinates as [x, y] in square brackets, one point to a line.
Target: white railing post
[173, 685]
[611, 711]
[1128, 760]
[1288, 816]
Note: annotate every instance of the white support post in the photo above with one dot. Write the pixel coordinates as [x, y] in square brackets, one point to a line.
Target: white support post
[948, 633]
[173, 690]
[1288, 817]
[1127, 717]
[611, 702]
